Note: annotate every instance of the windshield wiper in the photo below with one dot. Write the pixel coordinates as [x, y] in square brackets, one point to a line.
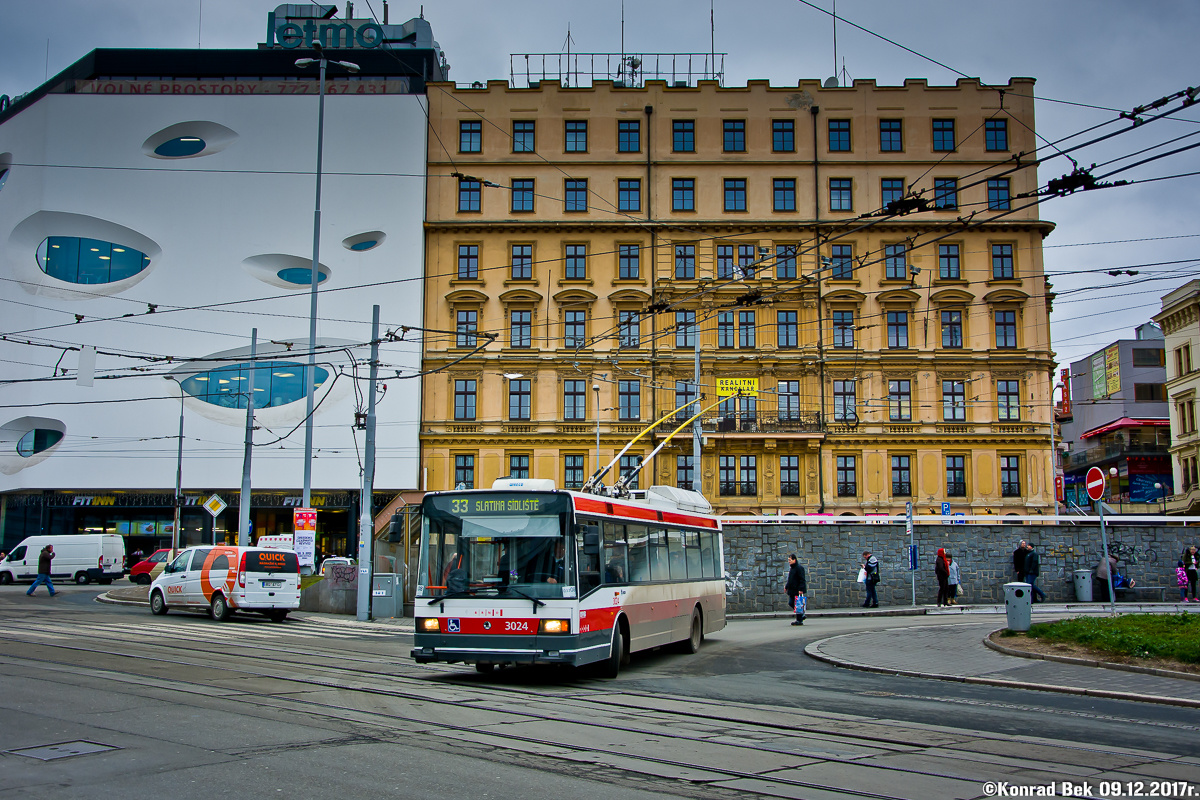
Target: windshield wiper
[463, 593]
[536, 601]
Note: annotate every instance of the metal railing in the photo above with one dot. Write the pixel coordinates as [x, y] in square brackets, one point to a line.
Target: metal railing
[623, 69]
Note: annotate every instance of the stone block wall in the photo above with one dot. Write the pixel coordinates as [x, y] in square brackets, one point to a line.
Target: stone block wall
[756, 560]
[337, 593]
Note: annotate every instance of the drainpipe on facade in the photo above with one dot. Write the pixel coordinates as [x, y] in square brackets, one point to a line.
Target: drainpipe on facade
[649, 110]
[813, 111]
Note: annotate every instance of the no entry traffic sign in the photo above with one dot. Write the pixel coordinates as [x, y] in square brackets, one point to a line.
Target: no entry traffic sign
[1095, 483]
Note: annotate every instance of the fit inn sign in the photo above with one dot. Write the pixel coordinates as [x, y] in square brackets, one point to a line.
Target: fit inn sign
[351, 35]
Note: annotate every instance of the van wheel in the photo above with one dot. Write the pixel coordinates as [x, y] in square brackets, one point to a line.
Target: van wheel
[609, 667]
[158, 606]
[5, 578]
[220, 609]
[692, 643]
[277, 616]
[82, 578]
[484, 667]
[142, 580]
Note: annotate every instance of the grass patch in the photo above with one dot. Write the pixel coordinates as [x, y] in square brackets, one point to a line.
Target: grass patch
[1166, 636]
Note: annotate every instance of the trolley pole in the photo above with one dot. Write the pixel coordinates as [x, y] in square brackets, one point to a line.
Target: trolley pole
[697, 439]
[366, 528]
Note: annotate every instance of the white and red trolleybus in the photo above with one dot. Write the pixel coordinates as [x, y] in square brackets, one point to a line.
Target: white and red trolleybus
[523, 573]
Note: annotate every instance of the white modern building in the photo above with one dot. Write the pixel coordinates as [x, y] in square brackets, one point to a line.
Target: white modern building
[156, 207]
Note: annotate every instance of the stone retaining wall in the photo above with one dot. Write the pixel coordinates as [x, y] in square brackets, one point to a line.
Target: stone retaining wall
[337, 593]
[756, 560]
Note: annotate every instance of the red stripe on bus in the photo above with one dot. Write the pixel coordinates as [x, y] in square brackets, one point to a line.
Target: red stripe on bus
[495, 625]
[685, 519]
[637, 512]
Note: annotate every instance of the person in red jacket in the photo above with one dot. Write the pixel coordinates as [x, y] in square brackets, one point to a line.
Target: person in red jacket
[941, 568]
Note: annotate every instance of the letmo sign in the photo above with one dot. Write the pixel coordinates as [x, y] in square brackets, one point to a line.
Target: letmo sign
[353, 34]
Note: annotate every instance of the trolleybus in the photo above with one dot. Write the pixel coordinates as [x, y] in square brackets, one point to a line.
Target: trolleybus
[525, 573]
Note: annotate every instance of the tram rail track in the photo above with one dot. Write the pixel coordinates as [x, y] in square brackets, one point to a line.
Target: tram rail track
[416, 689]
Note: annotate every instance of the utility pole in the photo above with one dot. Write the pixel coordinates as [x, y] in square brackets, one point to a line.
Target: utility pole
[697, 438]
[366, 528]
[244, 498]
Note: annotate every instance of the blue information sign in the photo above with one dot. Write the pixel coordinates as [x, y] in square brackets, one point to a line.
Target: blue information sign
[912, 557]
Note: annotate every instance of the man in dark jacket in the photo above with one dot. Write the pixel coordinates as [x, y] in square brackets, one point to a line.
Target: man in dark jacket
[1019, 562]
[43, 573]
[1033, 568]
[796, 588]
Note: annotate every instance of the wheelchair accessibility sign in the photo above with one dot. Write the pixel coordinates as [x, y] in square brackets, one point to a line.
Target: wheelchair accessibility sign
[453, 626]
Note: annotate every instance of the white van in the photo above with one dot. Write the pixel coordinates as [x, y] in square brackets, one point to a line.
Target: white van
[82, 557]
[221, 580]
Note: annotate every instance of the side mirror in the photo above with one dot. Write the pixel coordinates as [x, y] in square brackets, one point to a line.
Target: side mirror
[395, 531]
[591, 542]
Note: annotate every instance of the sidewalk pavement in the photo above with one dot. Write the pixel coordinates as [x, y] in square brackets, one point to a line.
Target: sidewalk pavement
[957, 652]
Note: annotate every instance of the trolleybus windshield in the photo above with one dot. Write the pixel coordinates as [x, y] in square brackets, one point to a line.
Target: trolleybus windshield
[496, 543]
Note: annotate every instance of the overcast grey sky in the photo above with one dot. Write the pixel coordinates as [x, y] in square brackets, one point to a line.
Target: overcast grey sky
[1115, 54]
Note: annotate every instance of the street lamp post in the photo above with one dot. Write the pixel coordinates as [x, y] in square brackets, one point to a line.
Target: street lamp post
[310, 371]
[1162, 494]
[178, 474]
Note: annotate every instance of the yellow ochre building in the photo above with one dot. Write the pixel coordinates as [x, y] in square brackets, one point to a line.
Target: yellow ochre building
[864, 263]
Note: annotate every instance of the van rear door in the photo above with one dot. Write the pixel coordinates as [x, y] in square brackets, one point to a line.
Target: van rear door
[272, 579]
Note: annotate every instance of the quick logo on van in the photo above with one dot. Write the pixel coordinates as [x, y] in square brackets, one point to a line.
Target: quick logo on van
[271, 560]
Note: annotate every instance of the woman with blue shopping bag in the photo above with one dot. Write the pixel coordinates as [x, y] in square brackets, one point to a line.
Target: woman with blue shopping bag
[796, 588]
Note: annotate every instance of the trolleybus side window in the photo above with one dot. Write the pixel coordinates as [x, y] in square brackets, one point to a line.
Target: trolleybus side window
[615, 568]
[675, 550]
[659, 569]
[691, 552]
[708, 563]
[638, 539]
[589, 556]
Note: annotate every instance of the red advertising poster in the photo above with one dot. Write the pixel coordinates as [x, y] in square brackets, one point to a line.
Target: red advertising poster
[304, 521]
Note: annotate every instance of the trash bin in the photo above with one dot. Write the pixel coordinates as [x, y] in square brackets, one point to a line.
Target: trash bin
[1018, 605]
[1083, 585]
[385, 602]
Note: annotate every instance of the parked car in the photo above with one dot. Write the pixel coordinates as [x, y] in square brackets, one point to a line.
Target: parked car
[81, 557]
[221, 580]
[334, 561]
[146, 570]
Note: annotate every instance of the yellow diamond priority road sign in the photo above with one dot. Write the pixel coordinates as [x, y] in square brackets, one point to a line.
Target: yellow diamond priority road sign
[215, 505]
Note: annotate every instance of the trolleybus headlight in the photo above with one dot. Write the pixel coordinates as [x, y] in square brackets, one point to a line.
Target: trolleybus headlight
[556, 626]
[430, 624]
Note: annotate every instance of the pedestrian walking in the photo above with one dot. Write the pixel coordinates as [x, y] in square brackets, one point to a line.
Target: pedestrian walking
[1033, 568]
[796, 588]
[1191, 568]
[43, 573]
[870, 568]
[941, 568]
[1019, 562]
[952, 578]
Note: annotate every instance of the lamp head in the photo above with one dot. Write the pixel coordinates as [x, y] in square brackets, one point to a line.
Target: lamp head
[349, 66]
[305, 62]
[1112, 471]
[595, 387]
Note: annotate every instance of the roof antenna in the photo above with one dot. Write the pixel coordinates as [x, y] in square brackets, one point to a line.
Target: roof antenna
[832, 81]
[385, 12]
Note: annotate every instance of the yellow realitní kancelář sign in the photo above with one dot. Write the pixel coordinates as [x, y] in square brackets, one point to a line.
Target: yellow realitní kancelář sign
[727, 387]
